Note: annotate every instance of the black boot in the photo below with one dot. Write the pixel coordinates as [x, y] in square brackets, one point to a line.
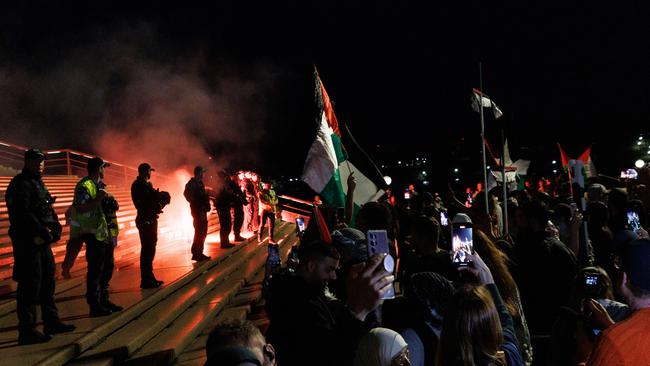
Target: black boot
[111, 306]
[58, 328]
[32, 336]
[97, 310]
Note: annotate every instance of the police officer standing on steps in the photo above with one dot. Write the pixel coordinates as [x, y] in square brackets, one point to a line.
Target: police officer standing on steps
[196, 194]
[88, 221]
[268, 210]
[33, 227]
[149, 202]
[229, 196]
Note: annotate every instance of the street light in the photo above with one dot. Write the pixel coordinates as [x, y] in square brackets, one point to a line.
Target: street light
[639, 163]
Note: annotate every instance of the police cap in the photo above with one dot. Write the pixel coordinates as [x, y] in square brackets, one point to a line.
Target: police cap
[95, 163]
[145, 167]
[35, 154]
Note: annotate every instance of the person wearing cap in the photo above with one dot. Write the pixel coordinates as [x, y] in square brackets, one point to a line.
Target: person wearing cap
[33, 227]
[228, 197]
[88, 222]
[626, 342]
[196, 194]
[149, 203]
[268, 210]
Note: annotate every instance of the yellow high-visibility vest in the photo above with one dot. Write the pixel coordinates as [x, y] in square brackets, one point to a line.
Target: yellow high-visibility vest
[90, 222]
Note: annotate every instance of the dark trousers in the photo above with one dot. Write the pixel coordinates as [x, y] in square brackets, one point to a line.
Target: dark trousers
[267, 215]
[35, 286]
[72, 249]
[225, 224]
[238, 212]
[148, 230]
[200, 232]
[99, 255]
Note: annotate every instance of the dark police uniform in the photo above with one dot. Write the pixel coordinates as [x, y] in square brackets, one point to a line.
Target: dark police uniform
[147, 201]
[230, 196]
[31, 215]
[199, 200]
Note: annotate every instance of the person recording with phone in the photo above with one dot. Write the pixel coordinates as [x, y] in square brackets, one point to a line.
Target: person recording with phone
[308, 326]
[477, 312]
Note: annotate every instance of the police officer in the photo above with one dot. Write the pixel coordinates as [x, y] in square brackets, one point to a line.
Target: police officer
[196, 194]
[149, 203]
[228, 197]
[33, 227]
[88, 221]
[268, 210]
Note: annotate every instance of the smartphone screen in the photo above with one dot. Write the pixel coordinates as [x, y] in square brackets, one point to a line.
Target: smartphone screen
[591, 280]
[462, 244]
[407, 195]
[444, 220]
[377, 242]
[633, 220]
[300, 224]
[273, 258]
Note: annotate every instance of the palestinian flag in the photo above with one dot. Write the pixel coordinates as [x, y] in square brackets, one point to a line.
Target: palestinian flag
[578, 169]
[330, 159]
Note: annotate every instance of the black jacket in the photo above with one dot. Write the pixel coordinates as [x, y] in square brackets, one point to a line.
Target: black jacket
[146, 199]
[30, 210]
[197, 196]
[307, 328]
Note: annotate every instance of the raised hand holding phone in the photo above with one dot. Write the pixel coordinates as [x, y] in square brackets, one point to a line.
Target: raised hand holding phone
[377, 243]
[462, 242]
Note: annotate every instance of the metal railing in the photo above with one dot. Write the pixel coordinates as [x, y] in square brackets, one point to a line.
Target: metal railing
[67, 162]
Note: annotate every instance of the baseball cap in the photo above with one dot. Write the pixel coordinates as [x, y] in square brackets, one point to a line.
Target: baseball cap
[635, 259]
[145, 167]
[34, 154]
[95, 163]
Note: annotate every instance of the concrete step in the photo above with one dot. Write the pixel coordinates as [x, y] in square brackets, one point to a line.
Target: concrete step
[173, 339]
[171, 300]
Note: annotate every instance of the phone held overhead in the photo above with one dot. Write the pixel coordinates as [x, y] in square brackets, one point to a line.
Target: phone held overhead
[462, 244]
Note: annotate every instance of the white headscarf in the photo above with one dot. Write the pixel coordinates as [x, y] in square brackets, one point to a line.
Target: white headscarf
[378, 347]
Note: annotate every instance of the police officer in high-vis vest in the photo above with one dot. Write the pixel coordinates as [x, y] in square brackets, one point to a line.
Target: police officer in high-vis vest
[33, 227]
[88, 222]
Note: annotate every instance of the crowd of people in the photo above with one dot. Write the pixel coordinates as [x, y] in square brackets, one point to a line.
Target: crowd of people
[563, 279]
[567, 284]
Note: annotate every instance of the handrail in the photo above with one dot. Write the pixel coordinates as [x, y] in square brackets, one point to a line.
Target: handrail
[73, 161]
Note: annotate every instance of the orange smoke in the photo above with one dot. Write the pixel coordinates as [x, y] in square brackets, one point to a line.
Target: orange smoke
[176, 220]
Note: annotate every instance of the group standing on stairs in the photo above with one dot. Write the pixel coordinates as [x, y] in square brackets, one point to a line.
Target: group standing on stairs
[92, 217]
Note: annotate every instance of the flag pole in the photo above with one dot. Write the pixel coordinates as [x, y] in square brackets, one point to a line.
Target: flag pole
[485, 184]
[505, 181]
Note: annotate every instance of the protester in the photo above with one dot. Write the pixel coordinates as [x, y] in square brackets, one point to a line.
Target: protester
[382, 347]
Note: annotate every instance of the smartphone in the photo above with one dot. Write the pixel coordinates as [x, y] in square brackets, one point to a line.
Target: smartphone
[462, 244]
[591, 280]
[377, 242]
[273, 260]
[300, 224]
[407, 195]
[633, 221]
[444, 219]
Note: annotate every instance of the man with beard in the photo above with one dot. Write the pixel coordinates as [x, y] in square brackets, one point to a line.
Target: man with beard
[307, 323]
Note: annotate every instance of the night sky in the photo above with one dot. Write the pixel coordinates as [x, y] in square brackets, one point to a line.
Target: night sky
[400, 72]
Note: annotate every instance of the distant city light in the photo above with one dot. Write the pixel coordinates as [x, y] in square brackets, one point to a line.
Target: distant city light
[399, 162]
[388, 180]
[554, 162]
[488, 167]
[554, 171]
[639, 163]
[426, 182]
[457, 179]
[455, 170]
[424, 173]
[640, 137]
[639, 143]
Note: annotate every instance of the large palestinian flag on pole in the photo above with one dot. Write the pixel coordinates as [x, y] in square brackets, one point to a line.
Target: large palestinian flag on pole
[331, 156]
